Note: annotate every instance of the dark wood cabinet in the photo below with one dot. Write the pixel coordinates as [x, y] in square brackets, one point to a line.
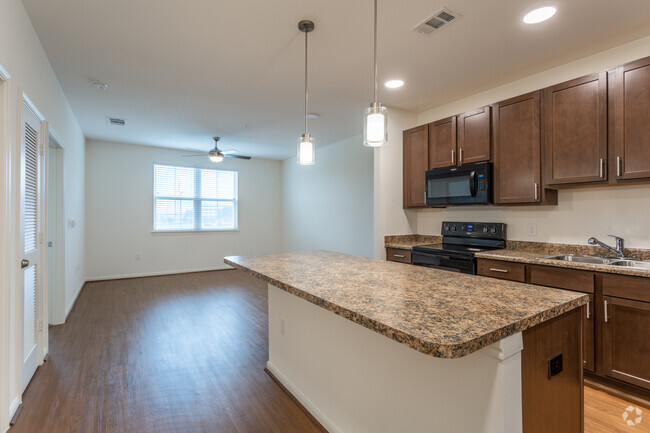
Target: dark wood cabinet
[442, 143]
[616, 321]
[518, 152]
[629, 120]
[415, 165]
[475, 136]
[575, 131]
[626, 340]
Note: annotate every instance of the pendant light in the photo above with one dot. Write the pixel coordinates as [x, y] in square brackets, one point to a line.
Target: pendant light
[306, 146]
[375, 122]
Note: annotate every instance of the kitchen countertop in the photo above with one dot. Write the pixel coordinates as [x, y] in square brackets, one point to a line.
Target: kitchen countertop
[530, 257]
[407, 242]
[439, 313]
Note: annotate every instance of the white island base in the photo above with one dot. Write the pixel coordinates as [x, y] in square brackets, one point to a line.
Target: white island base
[354, 380]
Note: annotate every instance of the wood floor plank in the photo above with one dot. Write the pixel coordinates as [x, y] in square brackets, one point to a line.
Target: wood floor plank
[184, 354]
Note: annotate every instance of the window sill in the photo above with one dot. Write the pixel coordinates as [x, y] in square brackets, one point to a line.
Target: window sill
[192, 232]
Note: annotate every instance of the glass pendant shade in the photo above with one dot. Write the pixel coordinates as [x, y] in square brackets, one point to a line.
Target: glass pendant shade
[375, 126]
[306, 150]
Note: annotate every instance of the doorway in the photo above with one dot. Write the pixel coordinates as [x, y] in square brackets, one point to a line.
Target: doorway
[55, 233]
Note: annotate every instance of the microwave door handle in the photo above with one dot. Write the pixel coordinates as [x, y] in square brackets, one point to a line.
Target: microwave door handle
[472, 183]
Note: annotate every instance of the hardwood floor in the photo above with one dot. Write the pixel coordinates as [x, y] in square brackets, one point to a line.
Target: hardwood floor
[184, 353]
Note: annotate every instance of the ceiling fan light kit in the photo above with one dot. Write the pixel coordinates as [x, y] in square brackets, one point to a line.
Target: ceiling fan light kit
[375, 124]
[306, 145]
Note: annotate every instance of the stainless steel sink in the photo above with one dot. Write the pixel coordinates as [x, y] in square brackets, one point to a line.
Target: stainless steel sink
[581, 259]
[635, 264]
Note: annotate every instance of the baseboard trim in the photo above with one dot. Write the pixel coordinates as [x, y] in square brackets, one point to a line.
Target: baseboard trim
[315, 414]
[601, 385]
[70, 307]
[14, 410]
[157, 274]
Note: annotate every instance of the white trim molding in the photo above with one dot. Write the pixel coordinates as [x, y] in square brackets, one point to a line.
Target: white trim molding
[5, 244]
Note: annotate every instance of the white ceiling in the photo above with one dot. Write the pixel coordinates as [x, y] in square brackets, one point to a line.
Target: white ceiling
[181, 72]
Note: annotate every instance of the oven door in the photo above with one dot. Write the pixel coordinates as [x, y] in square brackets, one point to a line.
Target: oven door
[458, 185]
[447, 262]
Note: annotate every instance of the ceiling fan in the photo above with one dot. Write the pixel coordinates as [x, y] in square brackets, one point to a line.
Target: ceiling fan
[216, 154]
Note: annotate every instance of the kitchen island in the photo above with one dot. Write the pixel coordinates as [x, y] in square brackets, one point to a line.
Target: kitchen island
[374, 346]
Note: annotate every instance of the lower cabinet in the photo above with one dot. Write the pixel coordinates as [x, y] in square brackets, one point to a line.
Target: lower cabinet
[616, 321]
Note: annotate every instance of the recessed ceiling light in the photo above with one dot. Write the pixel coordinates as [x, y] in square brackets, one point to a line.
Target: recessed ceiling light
[394, 84]
[539, 14]
[313, 115]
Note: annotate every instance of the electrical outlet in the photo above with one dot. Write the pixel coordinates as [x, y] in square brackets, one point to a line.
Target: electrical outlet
[282, 326]
[40, 326]
[138, 256]
[532, 229]
[555, 365]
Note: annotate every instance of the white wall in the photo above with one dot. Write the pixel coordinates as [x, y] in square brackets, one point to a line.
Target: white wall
[580, 213]
[329, 205]
[22, 55]
[389, 217]
[119, 213]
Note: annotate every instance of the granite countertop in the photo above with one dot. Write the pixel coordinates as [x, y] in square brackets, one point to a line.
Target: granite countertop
[532, 257]
[407, 242]
[439, 313]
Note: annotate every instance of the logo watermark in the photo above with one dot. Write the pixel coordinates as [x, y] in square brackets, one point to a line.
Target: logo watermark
[632, 416]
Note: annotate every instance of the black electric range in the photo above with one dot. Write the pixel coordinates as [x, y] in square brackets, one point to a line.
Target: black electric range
[460, 241]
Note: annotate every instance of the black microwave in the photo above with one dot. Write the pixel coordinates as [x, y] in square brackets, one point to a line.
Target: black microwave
[465, 184]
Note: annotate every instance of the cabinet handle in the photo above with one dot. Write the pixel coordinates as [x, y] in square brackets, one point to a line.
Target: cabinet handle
[588, 309]
[618, 166]
[536, 195]
[601, 167]
[401, 256]
[505, 271]
[606, 315]
[460, 155]
[453, 156]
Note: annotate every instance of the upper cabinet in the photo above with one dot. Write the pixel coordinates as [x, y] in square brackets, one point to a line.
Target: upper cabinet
[629, 120]
[575, 131]
[474, 136]
[416, 159]
[442, 143]
[518, 152]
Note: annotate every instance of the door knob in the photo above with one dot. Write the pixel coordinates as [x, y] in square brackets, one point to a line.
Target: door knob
[24, 263]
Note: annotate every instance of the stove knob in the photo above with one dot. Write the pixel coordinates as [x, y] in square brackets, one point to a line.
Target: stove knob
[446, 228]
[453, 228]
[485, 229]
[493, 230]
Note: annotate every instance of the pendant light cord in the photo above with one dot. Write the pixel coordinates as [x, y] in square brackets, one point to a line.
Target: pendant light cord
[306, 88]
[375, 60]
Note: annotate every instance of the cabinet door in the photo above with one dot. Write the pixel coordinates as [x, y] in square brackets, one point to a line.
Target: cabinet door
[630, 120]
[474, 136]
[588, 341]
[416, 161]
[626, 341]
[575, 131]
[517, 150]
[442, 143]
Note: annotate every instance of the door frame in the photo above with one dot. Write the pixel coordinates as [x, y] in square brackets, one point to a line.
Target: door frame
[42, 332]
[56, 294]
[5, 222]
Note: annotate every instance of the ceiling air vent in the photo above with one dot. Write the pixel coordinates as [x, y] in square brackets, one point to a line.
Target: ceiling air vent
[115, 121]
[436, 22]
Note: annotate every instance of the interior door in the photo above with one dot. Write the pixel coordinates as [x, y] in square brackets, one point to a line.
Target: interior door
[29, 277]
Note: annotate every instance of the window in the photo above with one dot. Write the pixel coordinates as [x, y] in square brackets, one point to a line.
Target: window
[194, 199]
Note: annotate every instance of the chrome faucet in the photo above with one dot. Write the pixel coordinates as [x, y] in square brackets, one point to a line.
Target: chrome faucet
[620, 245]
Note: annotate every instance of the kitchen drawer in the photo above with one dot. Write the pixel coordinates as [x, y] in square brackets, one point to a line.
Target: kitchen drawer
[621, 286]
[504, 270]
[569, 279]
[398, 255]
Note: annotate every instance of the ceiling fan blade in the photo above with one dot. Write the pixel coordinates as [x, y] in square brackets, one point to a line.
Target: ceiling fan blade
[189, 149]
[236, 156]
[189, 156]
[229, 151]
